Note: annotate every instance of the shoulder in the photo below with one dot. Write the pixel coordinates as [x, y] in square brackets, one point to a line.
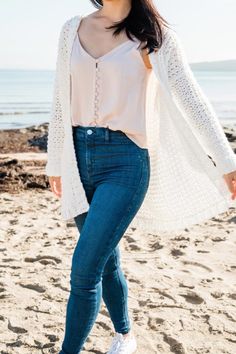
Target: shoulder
[67, 27]
[171, 43]
[170, 37]
[70, 22]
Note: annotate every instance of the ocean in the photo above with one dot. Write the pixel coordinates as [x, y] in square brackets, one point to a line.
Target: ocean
[26, 95]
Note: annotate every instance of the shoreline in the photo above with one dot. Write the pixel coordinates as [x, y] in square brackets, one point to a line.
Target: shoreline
[23, 156]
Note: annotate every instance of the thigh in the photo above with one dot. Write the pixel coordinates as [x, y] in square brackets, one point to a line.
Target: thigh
[113, 261]
[112, 208]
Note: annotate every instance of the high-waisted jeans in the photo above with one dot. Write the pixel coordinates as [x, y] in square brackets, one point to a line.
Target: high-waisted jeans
[115, 174]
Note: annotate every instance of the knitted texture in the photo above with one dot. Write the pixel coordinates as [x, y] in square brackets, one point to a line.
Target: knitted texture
[189, 152]
[56, 131]
[197, 108]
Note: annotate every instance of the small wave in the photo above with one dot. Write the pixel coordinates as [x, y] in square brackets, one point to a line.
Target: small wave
[23, 113]
[25, 103]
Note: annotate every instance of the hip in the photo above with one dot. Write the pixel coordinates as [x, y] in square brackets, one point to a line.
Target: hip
[104, 153]
[104, 141]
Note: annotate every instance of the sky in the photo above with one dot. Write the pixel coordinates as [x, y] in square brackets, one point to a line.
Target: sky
[29, 29]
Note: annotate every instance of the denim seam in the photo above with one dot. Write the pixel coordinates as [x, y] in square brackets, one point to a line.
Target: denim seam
[126, 310]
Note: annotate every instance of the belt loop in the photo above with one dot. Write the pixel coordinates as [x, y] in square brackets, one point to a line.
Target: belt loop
[107, 134]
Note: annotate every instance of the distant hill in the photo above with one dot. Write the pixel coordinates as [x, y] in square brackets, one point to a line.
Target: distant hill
[224, 65]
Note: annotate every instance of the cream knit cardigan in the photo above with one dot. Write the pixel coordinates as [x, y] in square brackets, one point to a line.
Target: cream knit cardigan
[183, 136]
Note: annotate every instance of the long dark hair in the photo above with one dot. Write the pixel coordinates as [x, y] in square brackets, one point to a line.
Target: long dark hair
[143, 21]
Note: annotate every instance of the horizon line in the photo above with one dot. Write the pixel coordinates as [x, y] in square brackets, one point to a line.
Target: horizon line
[48, 69]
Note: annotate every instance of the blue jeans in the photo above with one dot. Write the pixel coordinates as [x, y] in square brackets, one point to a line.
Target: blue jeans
[115, 174]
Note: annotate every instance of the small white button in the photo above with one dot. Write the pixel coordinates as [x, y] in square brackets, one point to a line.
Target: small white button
[89, 131]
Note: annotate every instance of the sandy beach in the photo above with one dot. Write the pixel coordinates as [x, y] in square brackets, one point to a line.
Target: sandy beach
[182, 287]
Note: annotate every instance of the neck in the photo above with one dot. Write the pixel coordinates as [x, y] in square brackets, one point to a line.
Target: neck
[115, 10]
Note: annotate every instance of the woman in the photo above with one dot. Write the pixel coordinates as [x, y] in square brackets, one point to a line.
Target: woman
[129, 143]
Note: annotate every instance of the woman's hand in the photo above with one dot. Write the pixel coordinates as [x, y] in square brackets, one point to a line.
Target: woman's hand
[230, 179]
[55, 184]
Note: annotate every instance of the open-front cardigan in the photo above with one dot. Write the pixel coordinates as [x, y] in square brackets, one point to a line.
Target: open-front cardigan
[189, 152]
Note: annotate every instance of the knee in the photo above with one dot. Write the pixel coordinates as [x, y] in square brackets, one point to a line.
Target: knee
[113, 264]
[84, 283]
[111, 272]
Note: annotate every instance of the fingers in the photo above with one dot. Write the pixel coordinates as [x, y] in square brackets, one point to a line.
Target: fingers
[231, 183]
[230, 179]
[51, 183]
[55, 185]
[57, 189]
[233, 186]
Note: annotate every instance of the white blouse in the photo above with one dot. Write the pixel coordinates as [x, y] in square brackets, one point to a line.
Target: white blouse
[102, 89]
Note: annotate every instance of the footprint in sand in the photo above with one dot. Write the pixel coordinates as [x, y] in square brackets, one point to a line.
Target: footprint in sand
[163, 293]
[13, 222]
[36, 287]
[143, 302]
[232, 296]
[185, 284]
[58, 285]
[177, 252]
[43, 259]
[141, 261]
[129, 239]
[2, 290]
[103, 325]
[52, 337]
[36, 309]
[156, 246]
[203, 251]
[196, 264]
[11, 232]
[175, 346]
[18, 343]
[217, 294]
[154, 323]
[218, 239]
[132, 280]
[133, 247]
[181, 238]
[8, 260]
[16, 329]
[206, 281]
[193, 298]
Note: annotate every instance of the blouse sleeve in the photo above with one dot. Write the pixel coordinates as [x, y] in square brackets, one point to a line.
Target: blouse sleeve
[196, 107]
[55, 127]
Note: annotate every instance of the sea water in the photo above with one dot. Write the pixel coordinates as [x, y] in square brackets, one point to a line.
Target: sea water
[26, 95]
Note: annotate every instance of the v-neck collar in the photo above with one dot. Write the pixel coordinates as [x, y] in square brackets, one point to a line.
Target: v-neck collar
[107, 53]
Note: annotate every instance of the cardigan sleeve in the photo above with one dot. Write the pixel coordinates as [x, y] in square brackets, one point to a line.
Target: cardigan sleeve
[196, 107]
[55, 127]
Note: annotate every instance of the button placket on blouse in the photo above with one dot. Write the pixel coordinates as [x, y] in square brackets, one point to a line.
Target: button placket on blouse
[96, 95]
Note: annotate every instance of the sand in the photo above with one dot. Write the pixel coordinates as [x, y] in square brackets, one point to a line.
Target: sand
[182, 287]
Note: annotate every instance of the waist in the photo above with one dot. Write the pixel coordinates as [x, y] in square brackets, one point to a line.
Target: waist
[101, 133]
